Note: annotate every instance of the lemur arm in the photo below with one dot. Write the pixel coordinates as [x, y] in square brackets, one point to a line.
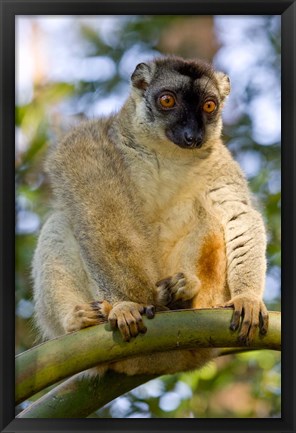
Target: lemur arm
[245, 241]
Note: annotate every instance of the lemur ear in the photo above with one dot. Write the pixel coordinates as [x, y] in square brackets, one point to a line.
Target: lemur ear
[141, 77]
[223, 84]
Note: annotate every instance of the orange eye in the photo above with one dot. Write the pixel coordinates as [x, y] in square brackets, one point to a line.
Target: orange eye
[167, 101]
[209, 106]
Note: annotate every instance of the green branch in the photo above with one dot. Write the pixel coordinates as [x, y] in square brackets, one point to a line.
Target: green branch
[82, 395]
[62, 357]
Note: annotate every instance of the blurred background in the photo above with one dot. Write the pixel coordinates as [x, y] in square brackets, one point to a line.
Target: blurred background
[71, 67]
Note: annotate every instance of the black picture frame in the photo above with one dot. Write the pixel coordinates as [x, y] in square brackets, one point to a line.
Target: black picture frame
[9, 10]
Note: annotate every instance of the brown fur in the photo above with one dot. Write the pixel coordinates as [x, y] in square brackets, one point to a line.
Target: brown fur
[150, 210]
[211, 271]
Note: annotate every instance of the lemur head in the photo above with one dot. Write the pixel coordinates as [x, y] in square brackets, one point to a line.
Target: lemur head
[179, 100]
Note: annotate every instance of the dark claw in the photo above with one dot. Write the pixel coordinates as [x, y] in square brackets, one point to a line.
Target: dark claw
[263, 324]
[263, 331]
[244, 340]
[235, 320]
[143, 330]
[233, 327]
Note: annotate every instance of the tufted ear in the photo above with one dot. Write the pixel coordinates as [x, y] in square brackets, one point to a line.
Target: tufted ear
[141, 77]
[223, 84]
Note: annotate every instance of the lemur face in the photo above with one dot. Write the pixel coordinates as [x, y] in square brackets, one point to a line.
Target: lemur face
[183, 99]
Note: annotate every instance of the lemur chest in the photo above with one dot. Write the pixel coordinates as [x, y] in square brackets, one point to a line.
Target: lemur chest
[170, 201]
[175, 221]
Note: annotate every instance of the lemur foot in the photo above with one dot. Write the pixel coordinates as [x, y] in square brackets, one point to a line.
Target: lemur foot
[250, 314]
[177, 291]
[127, 317]
[88, 314]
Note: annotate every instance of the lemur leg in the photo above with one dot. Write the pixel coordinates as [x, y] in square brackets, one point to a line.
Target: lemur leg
[62, 291]
[66, 300]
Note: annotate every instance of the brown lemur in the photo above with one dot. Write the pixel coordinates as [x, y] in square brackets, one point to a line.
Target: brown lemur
[151, 211]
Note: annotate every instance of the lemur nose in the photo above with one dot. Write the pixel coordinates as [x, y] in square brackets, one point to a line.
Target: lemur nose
[192, 136]
[189, 137]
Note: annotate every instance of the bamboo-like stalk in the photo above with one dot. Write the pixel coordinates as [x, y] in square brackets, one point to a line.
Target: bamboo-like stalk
[62, 357]
[81, 395]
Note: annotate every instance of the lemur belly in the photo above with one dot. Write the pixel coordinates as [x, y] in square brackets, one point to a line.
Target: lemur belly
[182, 236]
[211, 271]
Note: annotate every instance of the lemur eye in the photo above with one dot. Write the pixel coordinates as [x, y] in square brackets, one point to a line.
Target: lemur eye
[209, 106]
[167, 101]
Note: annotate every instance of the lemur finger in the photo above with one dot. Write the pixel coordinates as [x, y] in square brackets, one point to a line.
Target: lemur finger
[250, 323]
[137, 324]
[137, 314]
[238, 309]
[263, 319]
[178, 281]
[150, 311]
[112, 319]
[131, 323]
[123, 327]
[164, 295]
[127, 317]
[172, 283]
[254, 323]
[141, 327]
[168, 288]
